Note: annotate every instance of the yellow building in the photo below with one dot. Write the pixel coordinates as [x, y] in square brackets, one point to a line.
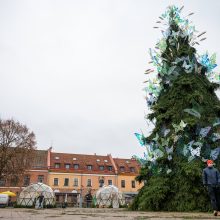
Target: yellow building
[67, 182]
[81, 173]
[127, 170]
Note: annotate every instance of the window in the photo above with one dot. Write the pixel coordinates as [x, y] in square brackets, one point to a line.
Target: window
[14, 181]
[89, 167]
[123, 184]
[55, 181]
[101, 167]
[57, 165]
[76, 166]
[26, 180]
[89, 182]
[67, 165]
[122, 169]
[75, 182]
[132, 169]
[2, 182]
[66, 182]
[101, 182]
[109, 182]
[40, 179]
[109, 168]
[133, 184]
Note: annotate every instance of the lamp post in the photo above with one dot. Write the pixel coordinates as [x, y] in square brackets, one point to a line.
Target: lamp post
[80, 199]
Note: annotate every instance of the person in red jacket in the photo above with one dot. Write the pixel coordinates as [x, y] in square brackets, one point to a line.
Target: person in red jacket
[211, 179]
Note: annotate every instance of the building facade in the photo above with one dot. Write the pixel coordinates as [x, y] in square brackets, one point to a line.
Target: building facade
[65, 172]
[127, 170]
[80, 172]
[37, 173]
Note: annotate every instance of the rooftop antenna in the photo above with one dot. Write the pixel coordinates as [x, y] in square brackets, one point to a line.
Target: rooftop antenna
[51, 144]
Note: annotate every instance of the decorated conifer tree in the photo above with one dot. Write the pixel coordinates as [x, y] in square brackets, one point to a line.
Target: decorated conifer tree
[185, 111]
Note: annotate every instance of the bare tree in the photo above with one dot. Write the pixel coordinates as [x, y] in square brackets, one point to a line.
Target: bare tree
[17, 147]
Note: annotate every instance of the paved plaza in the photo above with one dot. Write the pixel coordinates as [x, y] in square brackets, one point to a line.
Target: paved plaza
[94, 214]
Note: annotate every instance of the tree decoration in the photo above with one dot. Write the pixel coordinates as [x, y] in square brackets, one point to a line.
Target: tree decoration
[180, 92]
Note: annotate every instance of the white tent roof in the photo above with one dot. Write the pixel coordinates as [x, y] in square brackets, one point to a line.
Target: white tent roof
[30, 193]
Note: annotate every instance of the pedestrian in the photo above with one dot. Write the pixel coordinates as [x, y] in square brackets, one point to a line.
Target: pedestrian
[211, 179]
[41, 200]
[88, 197]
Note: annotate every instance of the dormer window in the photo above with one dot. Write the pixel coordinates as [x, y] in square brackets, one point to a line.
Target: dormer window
[76, 166]
[67, 165]
[89, 167]
[57, 165]
[109, 168]
[132, 169]
[101, 167]
[122, 168]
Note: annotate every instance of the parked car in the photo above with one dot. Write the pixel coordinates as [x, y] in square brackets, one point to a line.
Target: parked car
[4, 199]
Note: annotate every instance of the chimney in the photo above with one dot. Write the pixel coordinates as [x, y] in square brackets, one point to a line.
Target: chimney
[48, 157]
[113, 163]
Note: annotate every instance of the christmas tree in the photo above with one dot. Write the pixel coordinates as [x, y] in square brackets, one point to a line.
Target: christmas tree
[185, 111]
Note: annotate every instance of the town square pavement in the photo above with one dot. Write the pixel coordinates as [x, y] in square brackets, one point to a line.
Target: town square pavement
[94, 214]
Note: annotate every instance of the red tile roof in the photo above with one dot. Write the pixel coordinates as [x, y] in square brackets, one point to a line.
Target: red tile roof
[128, 165]
[82, 160]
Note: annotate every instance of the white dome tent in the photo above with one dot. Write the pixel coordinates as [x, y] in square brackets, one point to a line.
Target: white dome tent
[30, 193]
[108, 196]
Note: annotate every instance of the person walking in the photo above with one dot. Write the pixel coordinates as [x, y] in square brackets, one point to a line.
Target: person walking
[211, 179]
[41, 200]
[88, 197]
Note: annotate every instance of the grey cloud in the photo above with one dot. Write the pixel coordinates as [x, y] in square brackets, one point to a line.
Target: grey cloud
[73, 70]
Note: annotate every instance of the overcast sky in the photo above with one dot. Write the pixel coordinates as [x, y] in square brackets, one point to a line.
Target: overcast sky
[73, 71]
